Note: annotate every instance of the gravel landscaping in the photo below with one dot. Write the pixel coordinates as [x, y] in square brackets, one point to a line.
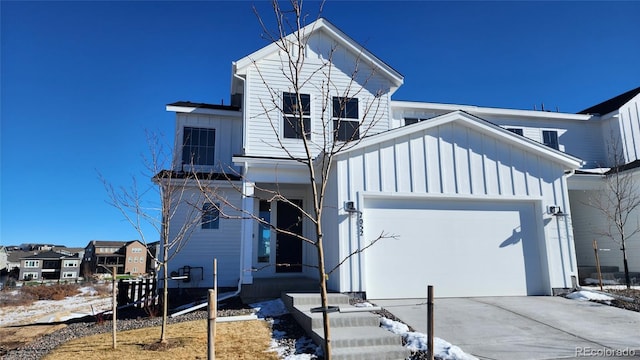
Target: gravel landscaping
[287, 333]
[628, 299]
[129, 319]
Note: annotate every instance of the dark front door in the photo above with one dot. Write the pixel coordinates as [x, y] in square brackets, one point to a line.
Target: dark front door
[288, 247]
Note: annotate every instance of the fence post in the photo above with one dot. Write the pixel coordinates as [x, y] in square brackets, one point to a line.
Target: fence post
[114, 302]
[430, 353]
[211, 328]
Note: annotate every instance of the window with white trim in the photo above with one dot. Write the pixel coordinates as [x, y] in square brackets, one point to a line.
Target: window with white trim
[550, 138]
[30, 276]
[410, 120]
[32, 263]
[70, 263]
[198, 145]
[210, 216]
[68, 274]
[518, 131]
[346, 124]
[296, 107]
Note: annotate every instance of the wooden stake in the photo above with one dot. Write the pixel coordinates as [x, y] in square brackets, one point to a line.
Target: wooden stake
[114, 302]
[595, 249]
[430, 322]
[211, 328]
[215, 274]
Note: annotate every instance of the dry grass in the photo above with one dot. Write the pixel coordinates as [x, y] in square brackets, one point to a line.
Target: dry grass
[187, 340]
[27, 295]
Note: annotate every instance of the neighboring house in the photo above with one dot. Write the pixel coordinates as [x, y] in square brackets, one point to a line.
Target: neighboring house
[14, 256]
[130, 257]
[478, 198]
[619, 122]
[4, 263]
[152, 257]
[49, 265]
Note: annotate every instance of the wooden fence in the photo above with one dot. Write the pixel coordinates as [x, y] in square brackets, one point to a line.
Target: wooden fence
[137, 292]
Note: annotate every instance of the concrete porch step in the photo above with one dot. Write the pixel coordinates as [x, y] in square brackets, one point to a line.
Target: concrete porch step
[354, 335]
[384, 352]
[309, 320]
[295, 299]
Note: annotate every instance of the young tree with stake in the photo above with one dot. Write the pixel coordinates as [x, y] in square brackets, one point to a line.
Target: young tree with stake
[346, 110]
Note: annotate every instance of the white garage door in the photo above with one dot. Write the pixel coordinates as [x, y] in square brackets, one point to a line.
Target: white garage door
[462, 248]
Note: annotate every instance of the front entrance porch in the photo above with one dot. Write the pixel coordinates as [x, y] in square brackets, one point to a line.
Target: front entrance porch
[270, 288]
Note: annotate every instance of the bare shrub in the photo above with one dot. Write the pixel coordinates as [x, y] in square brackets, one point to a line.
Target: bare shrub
[16, 298]
[51, 292]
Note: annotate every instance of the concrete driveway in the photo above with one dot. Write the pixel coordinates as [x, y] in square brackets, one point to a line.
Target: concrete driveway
[530, 327]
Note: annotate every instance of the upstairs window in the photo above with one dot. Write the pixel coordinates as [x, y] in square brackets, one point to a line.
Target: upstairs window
[31, 263]
[409, 121]
[346, 124]
[516, 131]
[210, 216]
[550, 138]
[293, 108]
[198, 146]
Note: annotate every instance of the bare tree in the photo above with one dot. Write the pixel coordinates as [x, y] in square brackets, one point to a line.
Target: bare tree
[340, 130]
[619, 201]
[140, 208]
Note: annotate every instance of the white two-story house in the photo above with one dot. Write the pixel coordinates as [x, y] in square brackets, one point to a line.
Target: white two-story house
[477, 199]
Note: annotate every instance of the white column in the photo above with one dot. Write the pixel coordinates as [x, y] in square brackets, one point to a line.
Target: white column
[246, 248]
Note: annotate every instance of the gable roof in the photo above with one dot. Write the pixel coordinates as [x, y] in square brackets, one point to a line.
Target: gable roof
[612, 104]
[478, 124]
[336, 34]
[49, 255]
[101, 243]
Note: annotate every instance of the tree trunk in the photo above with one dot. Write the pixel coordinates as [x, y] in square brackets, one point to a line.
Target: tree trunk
[323, 298]
[165, 294]
[627, 277]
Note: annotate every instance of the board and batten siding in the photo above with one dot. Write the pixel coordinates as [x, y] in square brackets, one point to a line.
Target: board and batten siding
[578, 137]
[457, 161]
[629, 125]
[228, 138]
[204, 245]
[266, 83]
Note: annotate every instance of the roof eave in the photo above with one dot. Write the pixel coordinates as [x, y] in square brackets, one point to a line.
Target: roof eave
[488, 110]
[568, 161]
[240, 66]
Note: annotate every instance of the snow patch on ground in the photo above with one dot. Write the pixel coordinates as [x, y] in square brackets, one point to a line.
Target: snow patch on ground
[418, 341]
[363, 304]
[589, 295]
[48, 311]
[305, 348]
[269, 308]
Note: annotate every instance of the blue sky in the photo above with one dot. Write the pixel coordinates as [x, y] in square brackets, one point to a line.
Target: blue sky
[81, 82]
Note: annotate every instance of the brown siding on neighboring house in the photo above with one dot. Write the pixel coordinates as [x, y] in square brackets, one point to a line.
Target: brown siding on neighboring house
[135, 258]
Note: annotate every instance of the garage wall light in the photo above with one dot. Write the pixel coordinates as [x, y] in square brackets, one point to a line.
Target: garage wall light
[350, 207]
[555, 210]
